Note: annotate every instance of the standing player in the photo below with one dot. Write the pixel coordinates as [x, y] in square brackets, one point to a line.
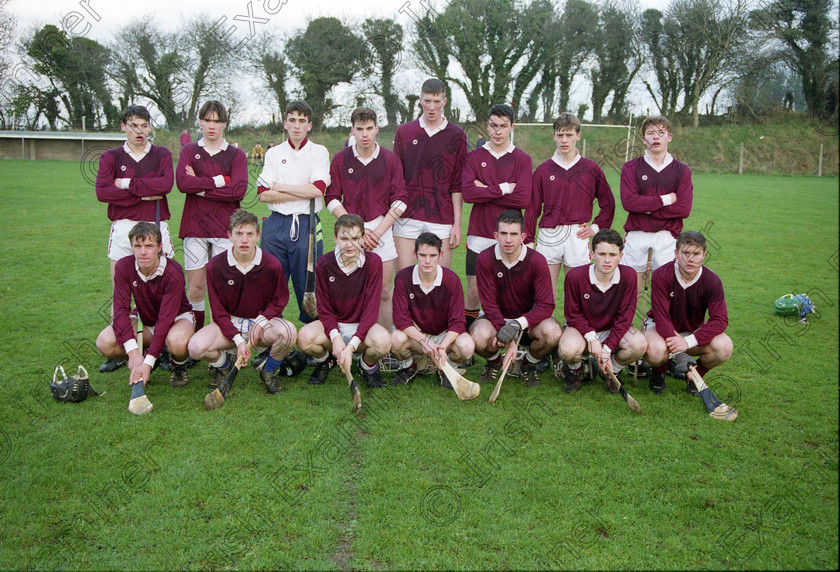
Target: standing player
[295, 176]
[432, 152]
[157, 285]
[248, 292]
[681, 296]
[599, 304]
[347, 289]
[656, 192]
[565, 187]
[428, 313]
[367, 180]
[134, 180]
[514, 286]
[214, 176]
[496, 177]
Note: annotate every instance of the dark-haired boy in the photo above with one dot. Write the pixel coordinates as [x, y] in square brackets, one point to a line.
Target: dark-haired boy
[295, 175]
[156, 283]
[496, 177]
[432, 152]
[348, 282]
[682, 295]
[428, 313]
[134, 180]
[367, 179]
[515, 291]
[599, 304]
[248, 292]
[214, 177]
[564, 190]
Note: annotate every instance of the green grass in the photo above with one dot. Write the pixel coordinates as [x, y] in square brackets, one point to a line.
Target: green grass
[539, 480]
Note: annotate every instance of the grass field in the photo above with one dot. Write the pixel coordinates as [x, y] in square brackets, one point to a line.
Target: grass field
[541, 479]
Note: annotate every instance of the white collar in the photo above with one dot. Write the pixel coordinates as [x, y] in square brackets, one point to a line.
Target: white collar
[363, 160]
[559, 160]
[415, 278]
[616, 277]
[158, 271]
[509, 149]
[348, 270]
[231, 259]
[667, 161]
[437, 129]
[138, 156]
[211, 153]
[497, 250]
[684, 284]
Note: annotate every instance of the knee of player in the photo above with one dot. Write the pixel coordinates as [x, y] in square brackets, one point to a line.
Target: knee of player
[637, 344]
[380, 341]
[722, 346]
[571, 347]
[465, 345]
[106, 341]
[399, 341]
[178, 343]
[195, 348]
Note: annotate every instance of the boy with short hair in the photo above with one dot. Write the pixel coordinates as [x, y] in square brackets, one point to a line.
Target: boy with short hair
[564, 190]
[496, 177]
[367, 179]
[134, 180]
[348, 282]
[681, 296]
[428, 313]
[248, 292]
[656, 192]
[599, 304]
[432, 152]
[214, 177]
[156, 283]
[293, 180]
[515, 291]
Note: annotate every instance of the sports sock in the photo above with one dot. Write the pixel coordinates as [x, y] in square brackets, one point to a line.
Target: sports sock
[530, 358]
[574, 366]
[407, 362]
[615, 367]
[222, 362]
[271, 364]
[198, 312]
[495, 358]
[472, 316]
[367, 367]
[702, 370]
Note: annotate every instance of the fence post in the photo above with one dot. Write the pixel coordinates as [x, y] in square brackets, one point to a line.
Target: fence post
[819, 169]
[583, 151]
[741, 161]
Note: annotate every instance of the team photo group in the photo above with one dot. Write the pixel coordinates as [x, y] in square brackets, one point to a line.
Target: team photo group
[388, 296]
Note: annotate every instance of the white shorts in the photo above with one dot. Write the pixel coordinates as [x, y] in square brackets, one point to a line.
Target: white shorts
[479, 244]
[347, 331]
[196, 250]
[636, 245]
[561, 245]
[185, 316]
[242, 324]
[385, 249]
[411, 228]
[120, 247]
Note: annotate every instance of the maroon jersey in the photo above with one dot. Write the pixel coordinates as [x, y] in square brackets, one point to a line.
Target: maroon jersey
[641, 189]
[150, 176]
[208, 215]
[523, 290]
[588, 309]
[366, 190]
[565, 196]
[159, 299]
[432, 169]
[438, 310]
[262, 290]
[481, 164]
[348, 298]
[678, 307]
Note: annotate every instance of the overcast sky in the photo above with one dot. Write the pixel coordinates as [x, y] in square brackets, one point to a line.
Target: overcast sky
[99, 19]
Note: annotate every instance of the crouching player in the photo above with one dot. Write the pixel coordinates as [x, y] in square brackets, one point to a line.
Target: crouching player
[681, 295]
[514, 286]
[599, 304]
[248, 292]
[428, 313]
[348, 287]
[157, 285]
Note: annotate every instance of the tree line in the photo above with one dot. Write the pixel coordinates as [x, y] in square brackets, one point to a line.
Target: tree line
[526, 53]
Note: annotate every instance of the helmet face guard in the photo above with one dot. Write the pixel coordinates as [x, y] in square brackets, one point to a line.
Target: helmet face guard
[71, 389]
